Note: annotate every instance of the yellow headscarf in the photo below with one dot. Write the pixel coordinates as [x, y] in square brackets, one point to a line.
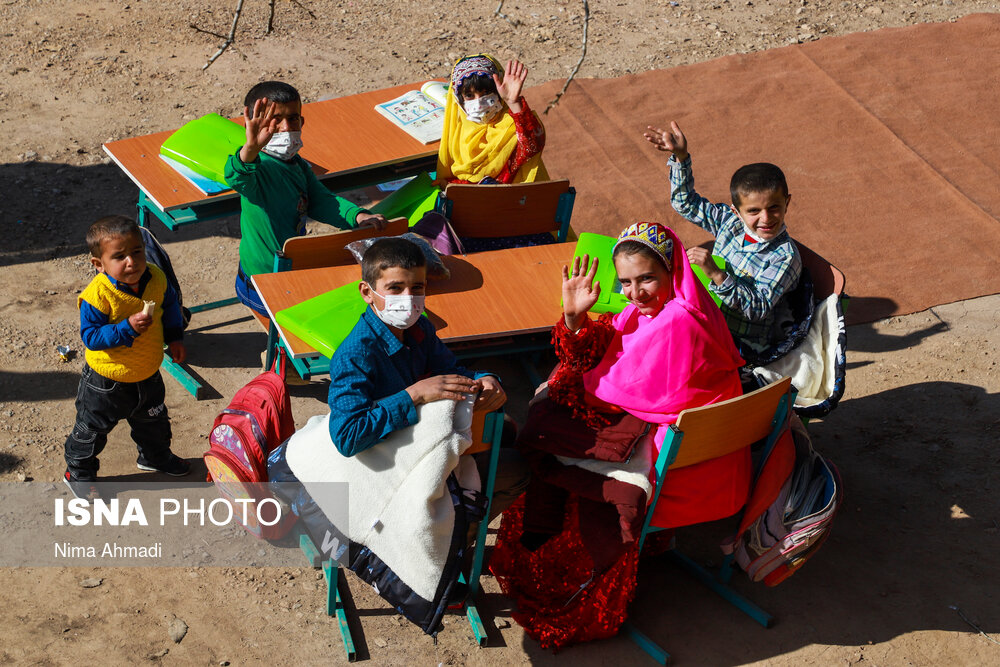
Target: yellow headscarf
[472, 151]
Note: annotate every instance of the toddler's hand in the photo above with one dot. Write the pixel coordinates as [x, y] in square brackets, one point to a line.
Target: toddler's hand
[437, 387]
[673, 141]
[140, 322]
[177, 351]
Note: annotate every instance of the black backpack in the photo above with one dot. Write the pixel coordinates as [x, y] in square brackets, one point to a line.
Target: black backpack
[157, 254]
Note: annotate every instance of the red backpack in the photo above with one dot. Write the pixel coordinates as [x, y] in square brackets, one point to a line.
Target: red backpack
[257, 420]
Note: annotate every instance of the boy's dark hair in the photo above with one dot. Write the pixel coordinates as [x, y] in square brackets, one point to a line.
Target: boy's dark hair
[387, 253]
[108, 227]
[475, 83]
[636, 248]
[274, 91]
[757, 177]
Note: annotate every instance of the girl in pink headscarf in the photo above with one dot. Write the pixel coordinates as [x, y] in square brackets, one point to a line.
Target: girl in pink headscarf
[568, 555]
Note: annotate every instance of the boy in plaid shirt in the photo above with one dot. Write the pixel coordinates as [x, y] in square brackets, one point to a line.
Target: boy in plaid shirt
[763, 264]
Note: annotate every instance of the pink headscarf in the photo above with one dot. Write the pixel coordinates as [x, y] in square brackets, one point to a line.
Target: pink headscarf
[683, 357]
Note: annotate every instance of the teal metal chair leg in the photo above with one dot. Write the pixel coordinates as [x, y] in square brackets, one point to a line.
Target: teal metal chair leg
[335, 606]
[652, 649]
[177, 372]
[492, 431]
[212, 305]
[731, 596]
[334, 603]
[272, 343]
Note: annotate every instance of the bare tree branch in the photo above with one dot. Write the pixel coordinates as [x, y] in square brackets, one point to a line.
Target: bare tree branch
[232, 35]
[497, 12]
[583, 54]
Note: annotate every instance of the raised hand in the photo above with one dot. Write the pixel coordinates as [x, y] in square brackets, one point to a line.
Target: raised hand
[579, 291]
[511, 84]
[673, 141]
[701, 257]
[260, 126]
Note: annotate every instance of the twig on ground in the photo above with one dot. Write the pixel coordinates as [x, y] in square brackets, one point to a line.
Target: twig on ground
[232, 35]
[976, 627]
[497, 12]
[207, 32]
[303, 8]
[583, 54]
[270, 17]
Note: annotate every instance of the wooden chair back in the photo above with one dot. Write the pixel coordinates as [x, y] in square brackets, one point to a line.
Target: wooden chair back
[478, 211]
[314, 251]
[725, 427]
[827, 278]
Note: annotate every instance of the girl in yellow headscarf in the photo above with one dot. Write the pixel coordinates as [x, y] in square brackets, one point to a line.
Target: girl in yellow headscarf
[490, 135]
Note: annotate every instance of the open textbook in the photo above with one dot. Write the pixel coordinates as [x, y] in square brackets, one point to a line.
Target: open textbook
[420, 113]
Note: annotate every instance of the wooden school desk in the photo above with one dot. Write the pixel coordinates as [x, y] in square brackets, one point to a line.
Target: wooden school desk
[495, 300]
[348, 143]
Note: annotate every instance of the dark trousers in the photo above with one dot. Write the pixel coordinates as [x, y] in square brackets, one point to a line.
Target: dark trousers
[246, 293]
[100, 404]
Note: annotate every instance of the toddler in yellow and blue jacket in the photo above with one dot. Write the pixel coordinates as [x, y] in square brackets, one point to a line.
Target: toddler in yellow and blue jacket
[124, 348]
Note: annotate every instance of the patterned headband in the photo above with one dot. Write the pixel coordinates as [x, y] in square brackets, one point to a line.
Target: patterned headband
[471, 65]
[650, 234]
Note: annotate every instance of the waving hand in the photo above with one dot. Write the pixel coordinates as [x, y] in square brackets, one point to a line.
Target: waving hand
[579, 291]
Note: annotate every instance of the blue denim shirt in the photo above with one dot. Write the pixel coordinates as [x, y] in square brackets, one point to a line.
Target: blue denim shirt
[369, 374]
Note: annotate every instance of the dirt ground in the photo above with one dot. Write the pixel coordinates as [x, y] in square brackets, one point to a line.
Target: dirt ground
[903, 580]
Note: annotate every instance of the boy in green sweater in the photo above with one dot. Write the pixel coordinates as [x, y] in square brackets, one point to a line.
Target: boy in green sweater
[277, 188]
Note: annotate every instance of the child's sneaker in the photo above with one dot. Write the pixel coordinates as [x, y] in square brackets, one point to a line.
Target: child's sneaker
[84, 489]
[174, 466]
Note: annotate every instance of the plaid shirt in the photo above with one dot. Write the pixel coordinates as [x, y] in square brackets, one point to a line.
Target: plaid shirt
[758, 274]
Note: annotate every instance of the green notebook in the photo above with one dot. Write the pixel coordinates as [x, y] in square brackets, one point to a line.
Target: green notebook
[410, 201]
[596, 245]
[204, 144]
[325, 320]
[612, 300]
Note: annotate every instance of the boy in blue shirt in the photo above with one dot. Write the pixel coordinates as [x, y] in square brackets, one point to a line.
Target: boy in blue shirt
[763, 264]
[124, 348]
[393, 361]
[277, 188]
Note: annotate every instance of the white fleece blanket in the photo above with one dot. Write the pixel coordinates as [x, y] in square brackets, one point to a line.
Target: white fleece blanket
[399, 504]
[813, 364]
[635, 471]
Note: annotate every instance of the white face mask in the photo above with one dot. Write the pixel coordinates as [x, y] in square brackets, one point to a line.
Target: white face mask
[401, 310]
[483, 109]
[283, 145]
[749, 232]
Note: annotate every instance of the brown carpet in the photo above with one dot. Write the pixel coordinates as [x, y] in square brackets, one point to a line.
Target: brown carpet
[889, 141]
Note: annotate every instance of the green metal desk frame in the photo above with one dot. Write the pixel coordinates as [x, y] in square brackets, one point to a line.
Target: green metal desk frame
[222, 207]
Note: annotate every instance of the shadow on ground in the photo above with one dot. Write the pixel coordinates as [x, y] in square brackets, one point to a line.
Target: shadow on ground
[912, 540]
